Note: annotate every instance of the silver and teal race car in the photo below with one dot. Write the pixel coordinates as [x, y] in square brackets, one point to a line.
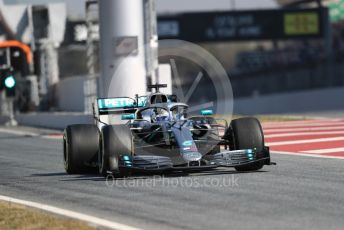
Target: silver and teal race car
[155, 134]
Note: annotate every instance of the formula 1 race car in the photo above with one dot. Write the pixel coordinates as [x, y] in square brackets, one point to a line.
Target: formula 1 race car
[154, 134]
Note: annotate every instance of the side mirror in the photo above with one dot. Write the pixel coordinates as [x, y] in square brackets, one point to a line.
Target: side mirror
[207, 112]
[130, 116]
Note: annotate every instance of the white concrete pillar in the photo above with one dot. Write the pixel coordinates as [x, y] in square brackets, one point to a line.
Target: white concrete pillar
[121, 32]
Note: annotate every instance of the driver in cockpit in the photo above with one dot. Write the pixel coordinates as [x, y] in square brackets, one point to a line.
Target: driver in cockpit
[160, 114]
[179, 113]
[155, 114]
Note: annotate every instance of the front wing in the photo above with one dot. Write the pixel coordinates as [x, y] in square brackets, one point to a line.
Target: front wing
[223, 159]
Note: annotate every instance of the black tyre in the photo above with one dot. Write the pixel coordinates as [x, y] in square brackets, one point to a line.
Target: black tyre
[116, 140]
[248, 134]
[80, 148]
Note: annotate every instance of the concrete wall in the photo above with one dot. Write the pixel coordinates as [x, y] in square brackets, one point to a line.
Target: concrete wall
[4, 119]
[297, 102]
[311, 77]
[70, 94]
[53, 120]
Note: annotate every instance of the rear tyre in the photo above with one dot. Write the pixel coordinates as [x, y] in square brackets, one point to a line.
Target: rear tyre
[80, 147]
[248, 134]
[116, 140]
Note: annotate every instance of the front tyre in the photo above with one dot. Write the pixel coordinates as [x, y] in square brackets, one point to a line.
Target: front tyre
[80, 147]
[248, 134]
[116, 140]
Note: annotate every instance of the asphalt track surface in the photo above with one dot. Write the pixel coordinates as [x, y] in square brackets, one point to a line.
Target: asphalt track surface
[299, 193]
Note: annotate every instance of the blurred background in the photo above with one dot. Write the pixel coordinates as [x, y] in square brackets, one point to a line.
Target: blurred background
[282, 56]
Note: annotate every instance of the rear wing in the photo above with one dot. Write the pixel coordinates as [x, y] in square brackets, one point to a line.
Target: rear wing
[119, 105]
[109, 111]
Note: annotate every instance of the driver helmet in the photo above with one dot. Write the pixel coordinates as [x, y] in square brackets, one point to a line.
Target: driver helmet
[161, 114]
[179, 113]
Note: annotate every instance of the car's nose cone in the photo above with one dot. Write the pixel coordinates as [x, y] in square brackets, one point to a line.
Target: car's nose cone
[192, 156]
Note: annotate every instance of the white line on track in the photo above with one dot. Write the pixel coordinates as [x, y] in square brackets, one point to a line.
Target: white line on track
[303, 129]
[303, 134]
[307, 155]
[70, 214]
[306, 141]
[324, 151]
